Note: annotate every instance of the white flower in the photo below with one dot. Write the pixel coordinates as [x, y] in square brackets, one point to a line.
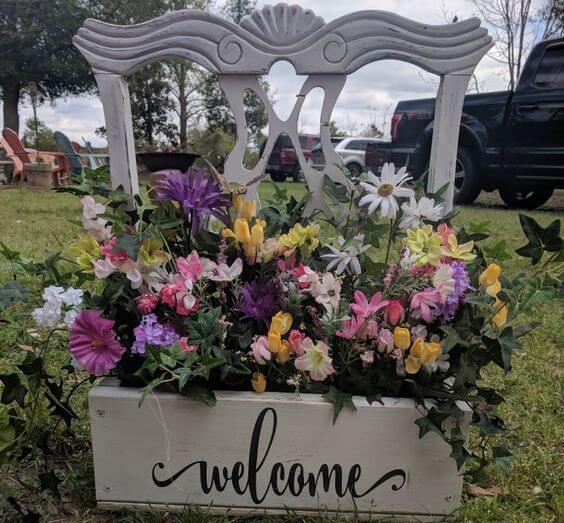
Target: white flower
[443, 280]
[221, 271]
[96, 226]
[327, 291]
[69, 318]
[53, 294]
[90, 208]
[346, 257]
[383, 191]
[46, 317]
[72, 297]
[408, 259]
[415, 211]
[315, 360]
[441, 363]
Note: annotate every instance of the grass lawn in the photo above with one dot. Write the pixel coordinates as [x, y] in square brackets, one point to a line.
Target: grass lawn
[37, 222]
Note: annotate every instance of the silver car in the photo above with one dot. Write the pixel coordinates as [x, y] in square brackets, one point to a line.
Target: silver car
[351, 150]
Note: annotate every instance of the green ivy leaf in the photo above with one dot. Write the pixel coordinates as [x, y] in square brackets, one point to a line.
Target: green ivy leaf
[50, 481]
[149, 388]
[13, 389]
[10, 292]
[503, 458]
[540, 240]
[129, 244]
[432, 422]
[201, 394]
[497, 252]
[339, 400]
[206, 328]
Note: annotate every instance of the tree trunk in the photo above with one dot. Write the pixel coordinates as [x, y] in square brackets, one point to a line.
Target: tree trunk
[10, 99]
[183, 123]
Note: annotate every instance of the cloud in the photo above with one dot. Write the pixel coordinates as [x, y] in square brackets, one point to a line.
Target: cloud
[369, 94]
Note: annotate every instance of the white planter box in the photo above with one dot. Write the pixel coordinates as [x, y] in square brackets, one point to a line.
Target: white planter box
[271, 453]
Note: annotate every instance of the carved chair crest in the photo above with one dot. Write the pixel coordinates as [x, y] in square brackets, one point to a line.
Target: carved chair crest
[325, 52]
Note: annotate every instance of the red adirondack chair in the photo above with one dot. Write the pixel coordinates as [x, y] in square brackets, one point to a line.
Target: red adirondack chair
[17, 153]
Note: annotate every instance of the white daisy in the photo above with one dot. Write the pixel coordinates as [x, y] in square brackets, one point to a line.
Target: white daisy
[415, 211]
[346, 256]
[383, 191]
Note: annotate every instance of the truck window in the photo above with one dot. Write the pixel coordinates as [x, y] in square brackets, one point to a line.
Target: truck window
[357, 145]
[550, 73]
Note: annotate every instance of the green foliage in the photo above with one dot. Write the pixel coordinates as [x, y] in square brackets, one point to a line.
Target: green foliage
[541, 240]
[46, 140]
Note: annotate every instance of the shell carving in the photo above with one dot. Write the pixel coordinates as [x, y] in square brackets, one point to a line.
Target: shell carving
[282, 24]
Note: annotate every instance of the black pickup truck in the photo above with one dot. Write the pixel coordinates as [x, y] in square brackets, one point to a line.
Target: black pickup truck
[511, 140]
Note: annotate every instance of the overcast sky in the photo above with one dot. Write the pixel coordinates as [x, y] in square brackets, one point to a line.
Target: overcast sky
[369, 95]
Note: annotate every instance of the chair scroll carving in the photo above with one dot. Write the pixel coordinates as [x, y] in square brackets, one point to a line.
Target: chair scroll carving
[325, 52]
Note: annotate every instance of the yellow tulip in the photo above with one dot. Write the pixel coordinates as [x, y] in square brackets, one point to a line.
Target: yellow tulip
[242, 231]
[412, 365]
[250, 252]
[237, 200]
[257, 234]
[274, 341]
[431, 352]
[490, 275]
[258, 381]
[281, 322]
[500, 319]
[249, 209]
[402, 338]
[227, 233]
[494, 288]
[417, 347]
[284, 353]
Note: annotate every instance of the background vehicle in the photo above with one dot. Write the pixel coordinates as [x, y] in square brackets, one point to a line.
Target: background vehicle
[283, 161]
[351, 150]
[511, 141]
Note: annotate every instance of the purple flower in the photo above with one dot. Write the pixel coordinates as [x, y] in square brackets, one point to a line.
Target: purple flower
[151, 332]
[198, 195]
[259, 300]
[450, 307]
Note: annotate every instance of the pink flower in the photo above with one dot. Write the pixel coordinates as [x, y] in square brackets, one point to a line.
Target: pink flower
[367, 357]
[369, 330]
[190, 267]
[425, 301]
[315, 360]
[287, 264]
[93, 343]
[146, 303]
[444, 232]
[260, 350]
[394, 312]
[364, 308]
[185, 346]
[295, 339]
[116, 258]
[385, 341]
[349, 328]
[178, 295]
[305, 276]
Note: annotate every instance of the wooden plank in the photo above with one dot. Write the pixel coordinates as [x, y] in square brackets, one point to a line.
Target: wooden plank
[268, 453]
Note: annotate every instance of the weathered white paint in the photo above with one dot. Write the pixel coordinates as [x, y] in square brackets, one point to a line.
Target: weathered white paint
[129, 442]
[327, 52]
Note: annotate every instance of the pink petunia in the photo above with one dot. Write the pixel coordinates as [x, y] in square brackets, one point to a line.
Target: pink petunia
[93, 343]
[364, 308]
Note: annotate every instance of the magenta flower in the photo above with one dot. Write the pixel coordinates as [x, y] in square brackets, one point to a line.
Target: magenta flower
[364, 308]
[93, 343]
[424, 301]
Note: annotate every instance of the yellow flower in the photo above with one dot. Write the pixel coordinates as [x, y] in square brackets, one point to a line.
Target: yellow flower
[494, 288]
[274, 341]
[250, 252]
[281, 322]
[284, 353]
[417, 347]
[258, 381]
[249, 209]
[242, 231]
[458, 252]
[412, 365]
[490, 275]
[423, 242]
[151, 252]
[86, 250]
[257, 234]
[401, 338]
[430, 353]
[300, 237]
[500, 319]
[237, 200]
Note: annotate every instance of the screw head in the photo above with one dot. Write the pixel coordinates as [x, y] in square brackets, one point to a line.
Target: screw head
[100, 413]
[107, 488]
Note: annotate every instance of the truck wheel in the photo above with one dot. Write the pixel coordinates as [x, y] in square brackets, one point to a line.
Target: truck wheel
[298, 174]
[355, 170]
[525, 198]
[467, 185]
[278, 177]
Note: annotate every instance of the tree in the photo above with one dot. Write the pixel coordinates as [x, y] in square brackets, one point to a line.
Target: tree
[236, 9]
[334, 129]
[509, 23]
[36, 47]
[551, 17]
[46, 140]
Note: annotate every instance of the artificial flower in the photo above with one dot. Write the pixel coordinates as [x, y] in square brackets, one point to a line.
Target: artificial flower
[316, 361]
[295, 340]
[384, 190]
[93, 343]
[86, 250]
[364, 308]
[415, 212]
[151, 253]
[394, 312]
[430, 353]
[412, 364]
[283, 355]
[385, 341]
[500, 318]
[367, 357]
[456, 251]
[349, 328]
[327, 291]
[274, 341]
[345, 257]
[443, 280]
[190, 267]
[198, 195]
[490, 275]
[402, 338]
[493, 289]
[424, 301]
[260, 350]
[258, 300]
[146, 303]
[96, 226]
[151, 332]
[249, 209]
[299, 237]
[258, 382]
[444, 231]
[221, 272]
[281, 322]
[425, 243]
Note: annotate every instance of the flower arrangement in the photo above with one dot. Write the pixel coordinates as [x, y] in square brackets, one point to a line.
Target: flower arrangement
[194, 289]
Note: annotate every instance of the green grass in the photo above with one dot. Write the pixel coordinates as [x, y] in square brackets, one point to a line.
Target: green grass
[38, 222]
